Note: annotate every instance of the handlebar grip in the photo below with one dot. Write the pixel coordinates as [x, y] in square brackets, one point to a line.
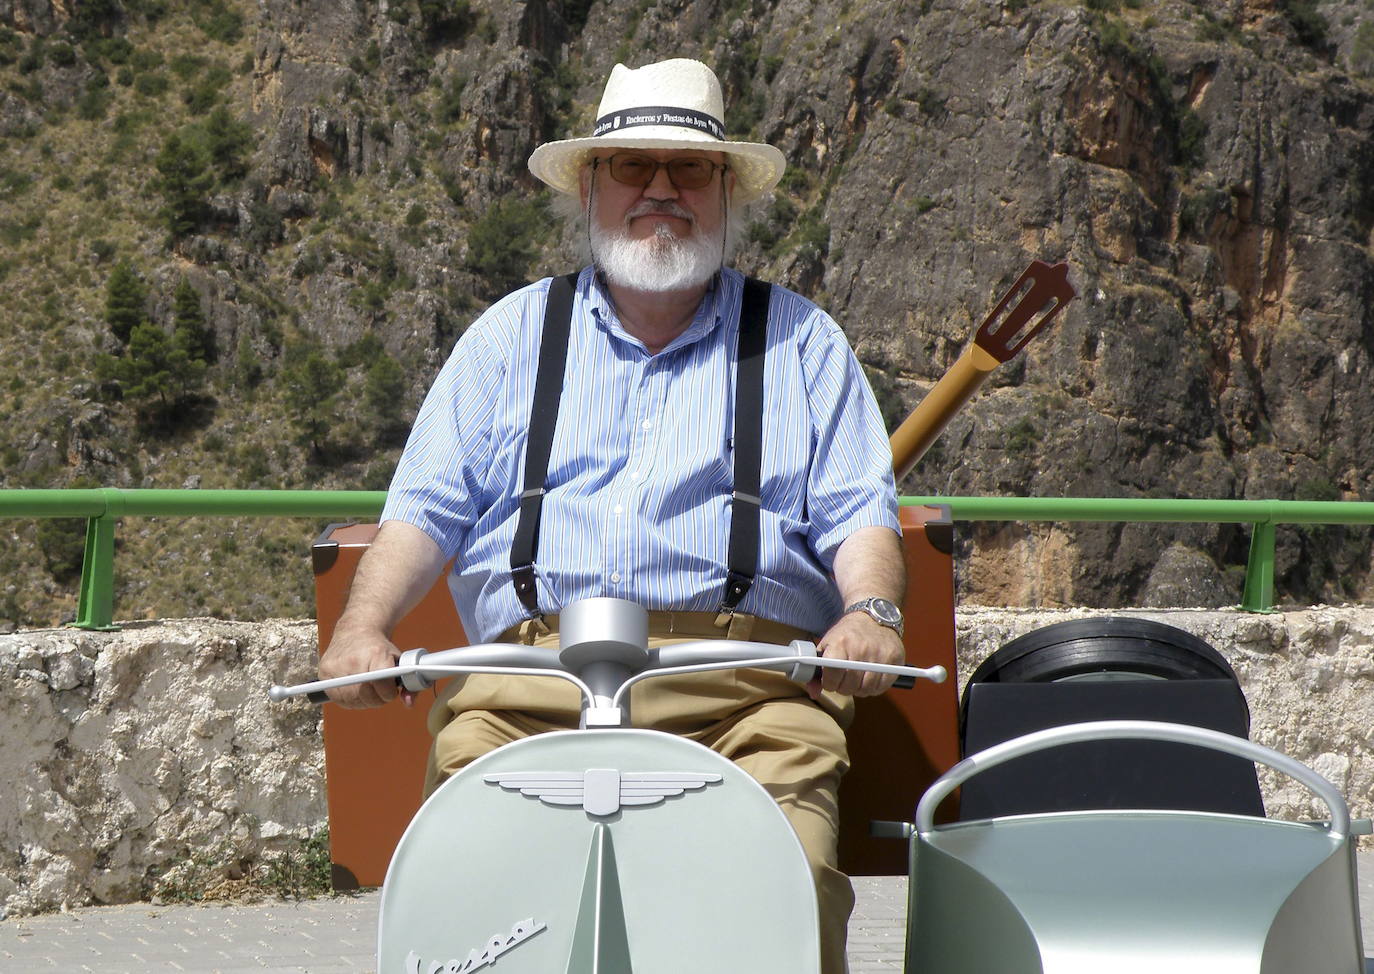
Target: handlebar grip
[321, 697]
[904, 683]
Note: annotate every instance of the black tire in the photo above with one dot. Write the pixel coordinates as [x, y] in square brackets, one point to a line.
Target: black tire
[1113, 645]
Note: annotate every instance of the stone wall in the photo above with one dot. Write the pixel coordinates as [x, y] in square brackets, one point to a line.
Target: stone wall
[129, 756]
[134, 754]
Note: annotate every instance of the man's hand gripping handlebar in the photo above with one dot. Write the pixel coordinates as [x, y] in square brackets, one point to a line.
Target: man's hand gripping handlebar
[604, 678]
[603, 652]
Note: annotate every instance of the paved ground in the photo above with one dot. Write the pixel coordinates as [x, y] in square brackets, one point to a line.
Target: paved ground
[334, 935]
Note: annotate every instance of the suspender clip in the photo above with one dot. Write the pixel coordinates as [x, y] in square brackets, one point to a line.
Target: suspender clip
[737, 585]
[527, 590]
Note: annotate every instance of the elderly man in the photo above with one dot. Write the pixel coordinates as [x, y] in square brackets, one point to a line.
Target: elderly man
[634, 444]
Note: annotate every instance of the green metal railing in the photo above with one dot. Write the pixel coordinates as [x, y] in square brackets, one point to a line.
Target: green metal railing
[101, 507]
[1262, 516]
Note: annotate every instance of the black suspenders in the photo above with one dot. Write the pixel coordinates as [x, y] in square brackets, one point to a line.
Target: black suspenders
[743, 554]
[548, 390]
[742, 560]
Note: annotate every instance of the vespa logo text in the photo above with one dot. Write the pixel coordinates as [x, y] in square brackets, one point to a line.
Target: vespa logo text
[497, 946]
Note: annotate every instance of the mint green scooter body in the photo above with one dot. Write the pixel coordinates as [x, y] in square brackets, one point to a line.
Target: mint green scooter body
[599, 852]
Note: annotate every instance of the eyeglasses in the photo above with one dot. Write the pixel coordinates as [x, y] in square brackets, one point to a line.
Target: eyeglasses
[684, 172]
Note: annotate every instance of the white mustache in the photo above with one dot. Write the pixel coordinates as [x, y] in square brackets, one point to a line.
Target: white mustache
[659, 208]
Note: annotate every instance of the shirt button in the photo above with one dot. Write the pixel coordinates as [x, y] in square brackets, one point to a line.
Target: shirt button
[647, 424]
[615, 576]
[636, 476]
[619, 510]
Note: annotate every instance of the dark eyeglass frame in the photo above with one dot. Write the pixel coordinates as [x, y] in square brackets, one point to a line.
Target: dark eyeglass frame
[654, 165]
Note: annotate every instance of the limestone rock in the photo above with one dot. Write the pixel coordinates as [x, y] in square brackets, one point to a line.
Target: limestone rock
[127, 752]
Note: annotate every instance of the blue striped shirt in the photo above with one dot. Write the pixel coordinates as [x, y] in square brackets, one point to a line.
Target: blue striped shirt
[639, 483]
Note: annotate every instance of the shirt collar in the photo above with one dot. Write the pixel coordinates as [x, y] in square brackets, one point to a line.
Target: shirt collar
[722, 296]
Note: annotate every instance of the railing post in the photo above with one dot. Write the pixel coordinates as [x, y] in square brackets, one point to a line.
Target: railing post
[1259, 570]
[95, 606]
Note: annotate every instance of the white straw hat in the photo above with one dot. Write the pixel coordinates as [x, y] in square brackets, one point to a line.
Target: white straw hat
[669, 105]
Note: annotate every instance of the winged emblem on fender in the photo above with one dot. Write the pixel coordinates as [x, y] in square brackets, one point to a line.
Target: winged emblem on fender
[601, 791]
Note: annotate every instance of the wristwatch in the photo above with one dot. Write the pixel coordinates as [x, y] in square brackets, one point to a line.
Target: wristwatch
[881, 611]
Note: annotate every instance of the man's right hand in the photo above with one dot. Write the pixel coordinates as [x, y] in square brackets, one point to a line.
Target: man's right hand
[392, 577]
[360, 650]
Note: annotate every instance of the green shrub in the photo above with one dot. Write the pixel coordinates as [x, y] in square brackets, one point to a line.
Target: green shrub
[384, 396]
[228, 142]
[1192, 135]
[446, 21]
[416, 215]
[364, 351]
[1309, 25]
[11, 46]
[1362, 49]
[1022, 436]
[201, 96]
[94, 104]
[449, 107]
[187, 66]
[220, 23]
[62, 540]
[1198, 209]
[14, 183]
[61, 54]
[310, 391]
[116, 50]
[152, 84]
[811, 237]
[502, 244]
[146, 59]
[33, 58]
[98, 182]
[265, 226]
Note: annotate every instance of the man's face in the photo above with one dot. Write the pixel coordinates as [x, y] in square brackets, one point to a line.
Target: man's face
[659, 208]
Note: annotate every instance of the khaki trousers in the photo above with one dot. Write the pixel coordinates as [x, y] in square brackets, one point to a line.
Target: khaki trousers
[768, 725]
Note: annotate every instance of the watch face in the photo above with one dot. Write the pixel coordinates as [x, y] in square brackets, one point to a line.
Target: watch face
[885, 611]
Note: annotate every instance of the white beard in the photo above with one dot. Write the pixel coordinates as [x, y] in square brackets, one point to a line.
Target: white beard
[663, 262]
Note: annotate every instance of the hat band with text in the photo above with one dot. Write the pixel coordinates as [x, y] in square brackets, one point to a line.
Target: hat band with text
[679, 117]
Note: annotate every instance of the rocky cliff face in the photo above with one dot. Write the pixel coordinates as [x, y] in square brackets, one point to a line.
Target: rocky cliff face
[1207, 170]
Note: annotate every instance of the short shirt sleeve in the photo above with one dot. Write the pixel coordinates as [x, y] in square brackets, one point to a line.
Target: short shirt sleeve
[850, 485]
[437, 486]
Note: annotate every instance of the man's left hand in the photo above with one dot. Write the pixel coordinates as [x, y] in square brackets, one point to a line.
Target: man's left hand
[857, 636]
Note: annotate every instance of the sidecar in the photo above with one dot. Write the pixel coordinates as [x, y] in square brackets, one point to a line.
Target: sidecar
[1133, 891]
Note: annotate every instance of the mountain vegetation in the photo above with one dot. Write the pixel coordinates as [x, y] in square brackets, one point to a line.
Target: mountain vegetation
[240, 238]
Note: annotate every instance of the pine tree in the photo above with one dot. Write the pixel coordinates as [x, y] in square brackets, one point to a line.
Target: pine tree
[126, 299]
[185, 181]
[189, 332]
[312, 385]
[227, 140]
[383, 397]
[157, 375]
